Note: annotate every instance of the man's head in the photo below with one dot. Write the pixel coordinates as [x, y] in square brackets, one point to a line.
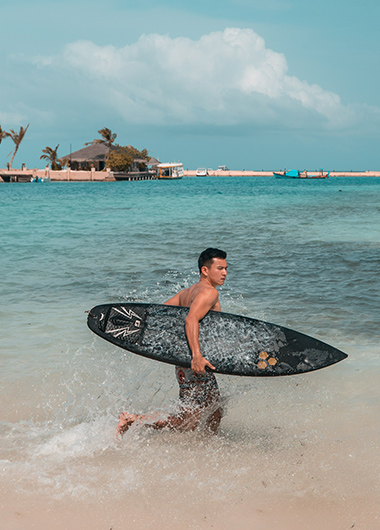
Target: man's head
[213, 266]
[207, 257]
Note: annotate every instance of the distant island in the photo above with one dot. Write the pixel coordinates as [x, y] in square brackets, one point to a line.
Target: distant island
[106, 175]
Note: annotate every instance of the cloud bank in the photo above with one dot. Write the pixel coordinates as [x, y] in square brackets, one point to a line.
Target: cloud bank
[224, 78]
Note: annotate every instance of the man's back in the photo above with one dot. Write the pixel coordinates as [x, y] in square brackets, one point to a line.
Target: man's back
[186, 297]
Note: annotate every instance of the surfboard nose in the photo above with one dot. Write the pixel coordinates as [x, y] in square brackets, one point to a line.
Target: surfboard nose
[340, 355]
[96, 318]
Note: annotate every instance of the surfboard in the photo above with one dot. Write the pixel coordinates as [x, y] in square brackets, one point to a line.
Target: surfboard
[234, 344]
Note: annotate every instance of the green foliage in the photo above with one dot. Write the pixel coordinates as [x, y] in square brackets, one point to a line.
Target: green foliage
[17, 139]
[3, 134]
[122, 158]
[51, 156]
[107, 137]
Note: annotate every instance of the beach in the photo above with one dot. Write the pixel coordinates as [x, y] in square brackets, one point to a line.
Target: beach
[292, 452]
[70, 175]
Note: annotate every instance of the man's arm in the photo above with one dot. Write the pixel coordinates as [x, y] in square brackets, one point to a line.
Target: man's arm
[174, 300]
[202, 304]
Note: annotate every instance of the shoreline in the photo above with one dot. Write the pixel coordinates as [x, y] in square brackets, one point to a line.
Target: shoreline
[68, 175]
[264, 512]
[249, 173]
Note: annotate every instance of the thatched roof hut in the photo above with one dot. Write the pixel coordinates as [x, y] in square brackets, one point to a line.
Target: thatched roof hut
[92, 155]
[153, 162]
[95, 155]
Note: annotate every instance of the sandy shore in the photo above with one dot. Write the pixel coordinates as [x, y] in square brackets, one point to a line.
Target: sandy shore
[83, 176]
[265, 512]
[247, 173]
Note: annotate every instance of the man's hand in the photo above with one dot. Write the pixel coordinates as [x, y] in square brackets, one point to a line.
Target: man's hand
[199, 363]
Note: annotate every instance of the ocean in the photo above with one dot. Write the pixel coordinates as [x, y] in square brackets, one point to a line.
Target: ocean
[292, 452]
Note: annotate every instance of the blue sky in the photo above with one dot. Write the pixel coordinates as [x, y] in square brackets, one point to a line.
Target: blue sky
[248, 83]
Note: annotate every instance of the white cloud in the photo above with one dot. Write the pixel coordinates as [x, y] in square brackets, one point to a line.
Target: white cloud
[9, 119]
[224, 78]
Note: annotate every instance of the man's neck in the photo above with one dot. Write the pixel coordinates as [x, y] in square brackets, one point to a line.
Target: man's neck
[206, 281]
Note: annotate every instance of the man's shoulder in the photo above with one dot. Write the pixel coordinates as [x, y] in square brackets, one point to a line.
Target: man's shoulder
[203, 287]
[205, 292]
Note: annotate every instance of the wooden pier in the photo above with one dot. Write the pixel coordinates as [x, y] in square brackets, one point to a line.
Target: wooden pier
[69, 175]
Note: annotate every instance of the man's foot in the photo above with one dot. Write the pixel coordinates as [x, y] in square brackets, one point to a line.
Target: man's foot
[125, 421]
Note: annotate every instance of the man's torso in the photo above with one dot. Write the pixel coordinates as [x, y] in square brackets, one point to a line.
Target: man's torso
[187, 296]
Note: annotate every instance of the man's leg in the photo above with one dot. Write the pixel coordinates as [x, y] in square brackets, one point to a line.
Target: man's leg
[197, 394]
[214, 419]
[186, 420]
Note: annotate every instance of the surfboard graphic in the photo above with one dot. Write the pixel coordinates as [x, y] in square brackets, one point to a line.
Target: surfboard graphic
[234, 344]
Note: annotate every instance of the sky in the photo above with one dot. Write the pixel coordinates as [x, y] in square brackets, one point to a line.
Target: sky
[250, 84]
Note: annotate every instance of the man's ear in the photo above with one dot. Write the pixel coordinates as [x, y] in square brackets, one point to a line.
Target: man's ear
[204, 270]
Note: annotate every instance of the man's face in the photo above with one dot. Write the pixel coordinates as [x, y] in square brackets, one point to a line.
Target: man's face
[217, 273]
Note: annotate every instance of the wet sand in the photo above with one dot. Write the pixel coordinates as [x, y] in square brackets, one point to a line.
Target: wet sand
[278, 466]
[265, 512]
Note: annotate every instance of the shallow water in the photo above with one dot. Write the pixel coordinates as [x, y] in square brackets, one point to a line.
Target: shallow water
[305, 255]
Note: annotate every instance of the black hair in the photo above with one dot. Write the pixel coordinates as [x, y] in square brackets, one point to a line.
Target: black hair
[206, 257]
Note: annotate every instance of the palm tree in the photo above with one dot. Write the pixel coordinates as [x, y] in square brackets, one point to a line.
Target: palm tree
[52, 156]
[3, 134]
[108, 138]
[17, 139]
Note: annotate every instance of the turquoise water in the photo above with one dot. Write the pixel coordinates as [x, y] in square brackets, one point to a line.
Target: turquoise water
[304, 254]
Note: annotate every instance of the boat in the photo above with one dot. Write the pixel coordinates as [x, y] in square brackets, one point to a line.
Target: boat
[170, 171]
[290, 174]
[296, 174]
[201, 172]
[40, 179]
[315, 175]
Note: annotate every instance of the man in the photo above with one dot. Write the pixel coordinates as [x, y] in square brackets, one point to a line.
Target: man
[198, 390]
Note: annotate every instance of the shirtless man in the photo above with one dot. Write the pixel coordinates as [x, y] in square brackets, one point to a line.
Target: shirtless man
[198, 390]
